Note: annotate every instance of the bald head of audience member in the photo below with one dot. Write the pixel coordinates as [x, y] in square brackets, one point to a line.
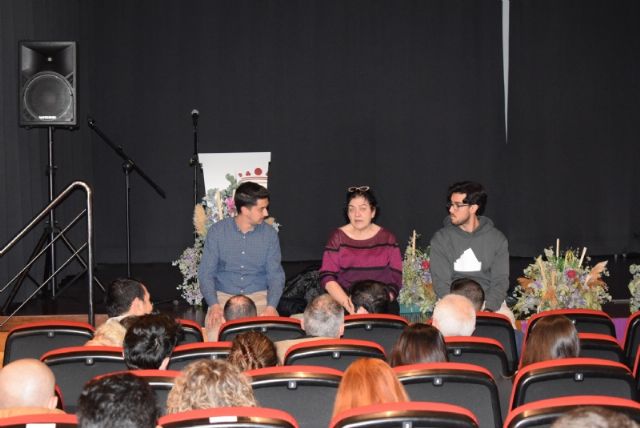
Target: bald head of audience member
[323, 317]
[239, 306]
[27, 383]
[471, 290]
[454, 315]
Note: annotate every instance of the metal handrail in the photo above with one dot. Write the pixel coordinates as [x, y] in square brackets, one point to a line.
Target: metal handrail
[88, 211]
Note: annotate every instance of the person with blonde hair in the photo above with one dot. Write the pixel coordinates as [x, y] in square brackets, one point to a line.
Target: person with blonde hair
[206, 384]
[252, 350]
[368, 381]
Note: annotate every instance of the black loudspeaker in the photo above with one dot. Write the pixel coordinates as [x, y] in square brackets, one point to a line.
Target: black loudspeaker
[47, 84]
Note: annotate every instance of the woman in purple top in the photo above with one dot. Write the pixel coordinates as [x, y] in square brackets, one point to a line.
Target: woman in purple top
[360, 250]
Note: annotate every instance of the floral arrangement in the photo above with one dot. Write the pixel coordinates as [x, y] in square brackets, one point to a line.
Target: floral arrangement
[560, 281]
[216, 205]
[634, 288]
[417, 287]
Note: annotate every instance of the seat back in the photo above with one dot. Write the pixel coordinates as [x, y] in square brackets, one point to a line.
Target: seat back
[542, 414]
[275, 328]
[306, 392]
[465, 385]
[161, 381]
[585, 320]
[230, 417]
[481, 351]
[333, 353]
[632, 338]
[45, 420]
[75, 366]
[411, 414]
[601, 346]
[191, 332]
[184, 355]
[498, 327]
[384, 329]
[32, 340]
[572, 376]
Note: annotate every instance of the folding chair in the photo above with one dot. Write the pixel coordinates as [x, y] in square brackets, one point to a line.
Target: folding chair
[333, 353]
[411, 414]
[384, 329]
[275, 328]
[585, 320]
[230, 417]
[183, 355]
[542, 413]
[191, 332]
[31, 340]
[498, 327]
[161, 381]
[601, 346]
[632, 338]
[465, 385]
[74, 366]
[46, 421]
[306, 392]
[572, 376]
[481, 351]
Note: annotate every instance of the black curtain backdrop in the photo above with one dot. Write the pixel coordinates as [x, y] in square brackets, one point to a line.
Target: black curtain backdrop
[574, 100]
[406, 97]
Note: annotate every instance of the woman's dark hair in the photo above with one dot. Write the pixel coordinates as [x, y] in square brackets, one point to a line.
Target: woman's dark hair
[551, 338]
[368, 195]
[419, 343]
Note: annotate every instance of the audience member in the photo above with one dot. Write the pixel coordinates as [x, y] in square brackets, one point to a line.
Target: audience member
[473, 291]
[419, 343]
[470, 289]
[206, 384]
[149, 341]
[552, 337]
[368, 381]
[594, 417]
[371, 297]
[27, 387]
[120, 400]
[454, 315]
[322, 319]
[124, 297]
[252, 350]
[237, 307]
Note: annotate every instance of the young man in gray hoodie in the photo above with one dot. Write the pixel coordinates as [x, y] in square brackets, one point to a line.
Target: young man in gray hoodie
[470, 246]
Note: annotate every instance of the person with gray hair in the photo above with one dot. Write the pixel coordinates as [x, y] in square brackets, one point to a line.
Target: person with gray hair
[594, 417]
[322, 319]
[239, 306]
[454, 315]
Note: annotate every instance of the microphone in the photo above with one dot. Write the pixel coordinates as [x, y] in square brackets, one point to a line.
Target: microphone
[194, 116]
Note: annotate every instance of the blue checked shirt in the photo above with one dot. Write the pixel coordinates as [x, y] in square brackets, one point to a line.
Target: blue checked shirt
[241, 263]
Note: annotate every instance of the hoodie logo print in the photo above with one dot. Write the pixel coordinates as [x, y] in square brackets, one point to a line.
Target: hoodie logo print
[467, 262]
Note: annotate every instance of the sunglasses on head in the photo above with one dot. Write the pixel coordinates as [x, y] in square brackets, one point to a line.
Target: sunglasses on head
[357, 189]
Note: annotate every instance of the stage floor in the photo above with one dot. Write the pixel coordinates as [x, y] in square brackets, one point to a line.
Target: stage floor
[162, 279]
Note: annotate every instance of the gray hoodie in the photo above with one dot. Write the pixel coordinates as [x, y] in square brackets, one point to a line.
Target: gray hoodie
[482, 255]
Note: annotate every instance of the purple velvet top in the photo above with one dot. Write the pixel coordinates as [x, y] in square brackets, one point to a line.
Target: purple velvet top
[347, 260]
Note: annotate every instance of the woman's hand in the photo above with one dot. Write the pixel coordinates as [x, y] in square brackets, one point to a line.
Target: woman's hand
[338, 294]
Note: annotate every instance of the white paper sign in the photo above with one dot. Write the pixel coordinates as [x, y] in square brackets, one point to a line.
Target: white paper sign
[251, 166]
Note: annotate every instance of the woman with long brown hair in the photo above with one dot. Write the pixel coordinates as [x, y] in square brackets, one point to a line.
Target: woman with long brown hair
[419, 343]
[368, 381]
[551, 338]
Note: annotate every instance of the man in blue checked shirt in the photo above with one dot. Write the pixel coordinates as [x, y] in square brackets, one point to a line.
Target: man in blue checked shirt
[242, 256]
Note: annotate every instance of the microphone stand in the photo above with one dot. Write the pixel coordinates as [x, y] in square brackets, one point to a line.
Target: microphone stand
[194, 162]
[128, 166]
